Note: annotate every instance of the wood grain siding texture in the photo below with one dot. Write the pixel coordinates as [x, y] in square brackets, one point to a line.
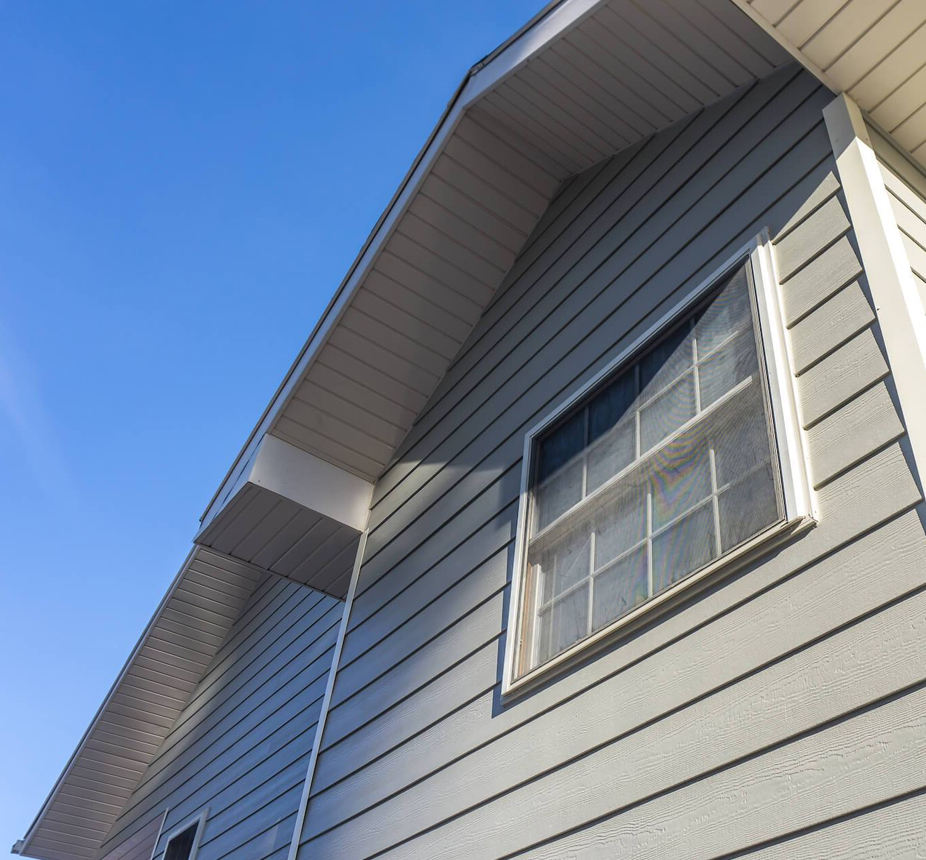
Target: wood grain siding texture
[766, 687]
[906, 187]
[241, 745]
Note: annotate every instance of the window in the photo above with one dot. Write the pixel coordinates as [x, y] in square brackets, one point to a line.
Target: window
[666, 465]
[184, 841]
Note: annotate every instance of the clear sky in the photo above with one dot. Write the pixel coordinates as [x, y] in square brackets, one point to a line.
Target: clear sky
[182, 187]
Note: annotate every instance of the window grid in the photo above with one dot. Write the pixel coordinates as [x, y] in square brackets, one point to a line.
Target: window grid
[592, 500]
[640, 455]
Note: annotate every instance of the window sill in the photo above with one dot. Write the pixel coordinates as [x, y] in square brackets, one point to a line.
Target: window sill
[747, 552]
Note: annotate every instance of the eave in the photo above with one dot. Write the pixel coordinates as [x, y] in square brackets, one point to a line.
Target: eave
[874, 51]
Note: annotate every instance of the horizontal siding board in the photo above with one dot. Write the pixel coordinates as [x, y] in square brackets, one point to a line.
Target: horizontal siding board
[878, 753]
[839, 377]
[744, 711]
[881, 832]
[834, 322]
[848, 435]
[820, 279]
[799, 247]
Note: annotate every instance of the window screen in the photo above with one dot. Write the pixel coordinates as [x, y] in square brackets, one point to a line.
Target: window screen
[666, 466]
[180, 846]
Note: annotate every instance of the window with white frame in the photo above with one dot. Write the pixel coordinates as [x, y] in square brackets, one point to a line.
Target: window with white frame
[183, 843]
[665, 467]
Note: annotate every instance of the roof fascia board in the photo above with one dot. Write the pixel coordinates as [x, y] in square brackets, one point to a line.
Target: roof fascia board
[560, 19]
[305, 479]
[489, 73]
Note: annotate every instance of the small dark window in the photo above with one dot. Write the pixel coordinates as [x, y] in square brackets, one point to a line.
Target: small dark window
[180, 845]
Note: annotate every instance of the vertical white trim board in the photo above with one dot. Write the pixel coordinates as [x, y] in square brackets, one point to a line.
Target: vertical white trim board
[326, 702]
[898, 305]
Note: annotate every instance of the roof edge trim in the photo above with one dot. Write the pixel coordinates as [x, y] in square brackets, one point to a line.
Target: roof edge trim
[551, 22]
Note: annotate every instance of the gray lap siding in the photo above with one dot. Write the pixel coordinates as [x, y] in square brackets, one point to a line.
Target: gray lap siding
[752, 695]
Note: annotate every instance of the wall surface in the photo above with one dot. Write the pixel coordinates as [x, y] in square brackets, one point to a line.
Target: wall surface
[783, 710]
[906, 187]
[241, 745]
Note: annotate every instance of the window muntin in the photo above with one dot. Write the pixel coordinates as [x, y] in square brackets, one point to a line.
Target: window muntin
[663, 468]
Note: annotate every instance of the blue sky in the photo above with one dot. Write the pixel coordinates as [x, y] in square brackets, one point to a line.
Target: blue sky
[183, 186]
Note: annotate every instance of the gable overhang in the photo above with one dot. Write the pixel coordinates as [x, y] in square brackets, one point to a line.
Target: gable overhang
[873, 52]
[293, 514]
[585, 80]
[582, 81]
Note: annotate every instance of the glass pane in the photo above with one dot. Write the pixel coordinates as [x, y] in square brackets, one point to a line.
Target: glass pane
[565, 565]
[677, 504]
[620, 526]
[619, 588]
[559, 494]
[561, 445]
[731, 364]
[181, 845]
[729, 312]
[747, 508]
[666, 361]
[681, 477]
[565, 623]
[607, 408]
[683, 547]
[667, 412]
[611, 454]
[741, 441]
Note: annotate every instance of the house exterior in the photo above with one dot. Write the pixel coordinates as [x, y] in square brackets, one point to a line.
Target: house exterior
[589, 522]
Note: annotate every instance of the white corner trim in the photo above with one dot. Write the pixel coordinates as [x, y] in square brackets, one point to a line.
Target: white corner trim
[326, 702]
[898, 306]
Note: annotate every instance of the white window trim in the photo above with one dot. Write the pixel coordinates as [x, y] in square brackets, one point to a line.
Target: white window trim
[798, 497]
[199, 819]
